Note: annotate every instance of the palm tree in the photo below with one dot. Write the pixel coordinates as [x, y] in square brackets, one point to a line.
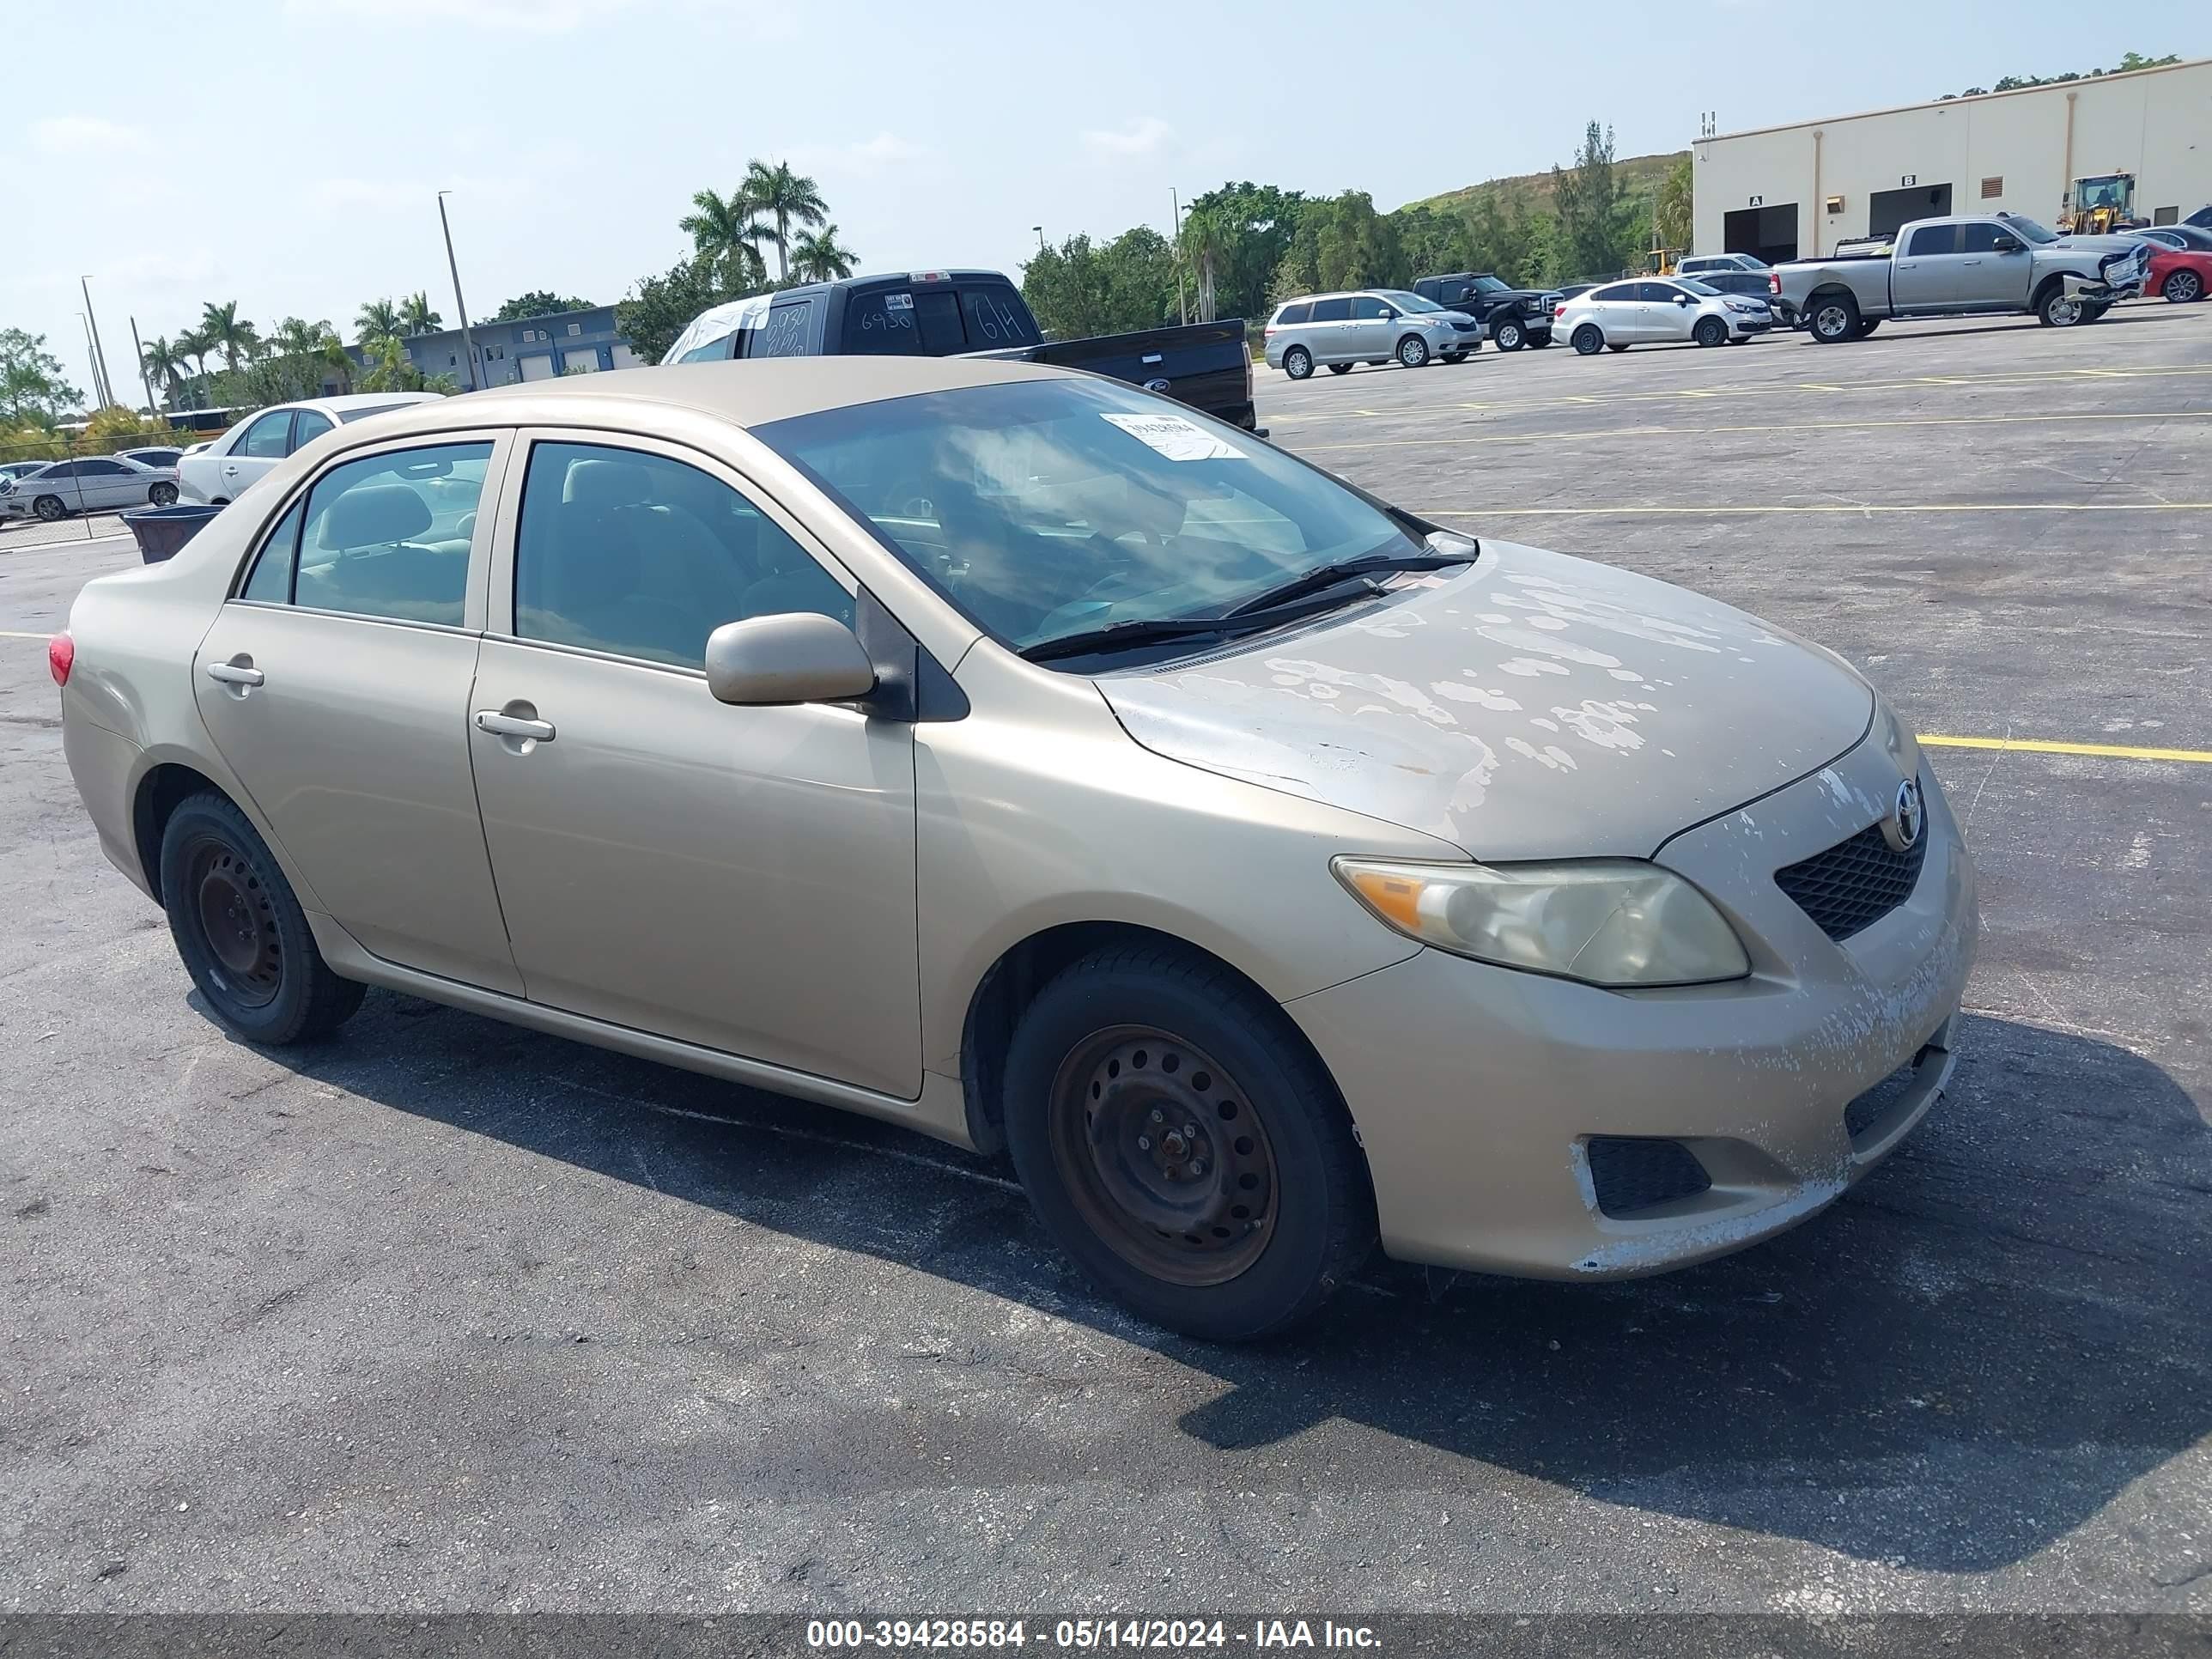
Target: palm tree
[723, 230]
[166, 361]
[416, 316]
[378, 321]
[786, 196]
[1205, 244]
[195, 343]
[816, 257]
[227, 331]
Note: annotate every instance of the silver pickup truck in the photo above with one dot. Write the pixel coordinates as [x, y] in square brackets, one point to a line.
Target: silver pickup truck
[1998, 262]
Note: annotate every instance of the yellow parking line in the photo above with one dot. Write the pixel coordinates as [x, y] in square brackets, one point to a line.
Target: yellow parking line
[1766, 427]
[1816, 506]
[2046, 746]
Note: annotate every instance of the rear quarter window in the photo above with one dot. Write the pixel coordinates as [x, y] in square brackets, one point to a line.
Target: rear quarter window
[1296, 313]
[995, 318]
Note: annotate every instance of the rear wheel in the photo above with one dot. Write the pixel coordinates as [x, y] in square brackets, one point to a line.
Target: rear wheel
[1298, 362]
[162, 495]
[1510, 335]
[1414, 351]
[2184, 287]
[1340, 368]
[1833, 318]
[1180, 1144]
[1868, 325]
[1587, 339]
[241, 933]
[1710, 331]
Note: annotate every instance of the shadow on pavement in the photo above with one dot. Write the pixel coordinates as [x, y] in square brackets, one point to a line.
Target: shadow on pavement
[1983, 1344]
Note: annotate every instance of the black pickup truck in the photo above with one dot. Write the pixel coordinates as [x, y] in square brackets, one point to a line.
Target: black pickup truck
[1515, 316]
[943, 313]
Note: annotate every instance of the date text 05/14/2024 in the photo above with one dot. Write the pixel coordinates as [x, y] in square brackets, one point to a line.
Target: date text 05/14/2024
[1085, 1635]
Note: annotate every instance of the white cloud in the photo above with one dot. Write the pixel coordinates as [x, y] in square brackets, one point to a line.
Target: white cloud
[868, 155]
[1142, 136]
[85, 135]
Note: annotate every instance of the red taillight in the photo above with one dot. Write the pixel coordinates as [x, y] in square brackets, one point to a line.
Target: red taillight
[1774, 282]
[1560, 309]
[1270, 329]
[61, 657]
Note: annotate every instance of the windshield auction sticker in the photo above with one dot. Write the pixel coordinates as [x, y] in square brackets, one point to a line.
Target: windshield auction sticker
[1175, 438]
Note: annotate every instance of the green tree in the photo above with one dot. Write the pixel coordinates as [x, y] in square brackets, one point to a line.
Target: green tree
[227, 332]
[1081, 287]
[538, 302]
[1593, 235]
[725, 230]
[417, 316]
[1205, 253]
[377, 322]
[816, 257]
[1671, 208]
[389, 370]
[1255, 224]
[787, 198]
[1432, 240]
[1341, 242]
[32, 389]
[658, 308]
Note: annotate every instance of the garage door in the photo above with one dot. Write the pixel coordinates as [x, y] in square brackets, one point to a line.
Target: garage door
[1769, 233]
[1886, 209]
[538, 366]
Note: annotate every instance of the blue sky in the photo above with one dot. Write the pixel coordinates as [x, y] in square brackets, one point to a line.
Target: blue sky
[285, 153]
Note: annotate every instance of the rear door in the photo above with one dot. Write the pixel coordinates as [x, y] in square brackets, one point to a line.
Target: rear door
[1619, 314]
[103, 483]
[1328, 335]
[1923, 274]
[335, 682]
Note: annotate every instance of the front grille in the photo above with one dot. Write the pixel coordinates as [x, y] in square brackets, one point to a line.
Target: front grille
[1856, 883]
[1632, 1173]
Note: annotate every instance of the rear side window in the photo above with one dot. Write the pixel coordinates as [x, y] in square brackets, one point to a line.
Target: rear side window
[642, 555]
[388, 536]
[271, 580]
[882, 324]
[307, 425]
[1933, 238]
[1332, 311]
[1295, 313]
[788, 332]
[1619, 291]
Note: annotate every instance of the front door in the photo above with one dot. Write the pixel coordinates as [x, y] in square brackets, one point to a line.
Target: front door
[740, 878]
[258, 448]
[336, 684]
[1369, 332]
[1924, 273]
[1664, 317]
[1992, 277]
[107, 484]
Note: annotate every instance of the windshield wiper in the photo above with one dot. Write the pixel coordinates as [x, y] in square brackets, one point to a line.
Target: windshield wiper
[1333, 576]
[1140, 631]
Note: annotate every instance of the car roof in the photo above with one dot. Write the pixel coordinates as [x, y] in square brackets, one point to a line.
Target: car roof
[750, 392]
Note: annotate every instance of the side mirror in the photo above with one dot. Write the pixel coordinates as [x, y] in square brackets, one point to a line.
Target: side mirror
[796, 656]
[2005, 245]
[1389, 315]
[1681, 298]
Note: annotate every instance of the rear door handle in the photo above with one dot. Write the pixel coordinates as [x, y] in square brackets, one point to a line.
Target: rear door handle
[232, 673]
[507, 725]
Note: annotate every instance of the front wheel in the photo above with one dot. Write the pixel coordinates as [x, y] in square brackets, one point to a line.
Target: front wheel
[1510, 335]
[1183, 1146]
[1609, 346]
[1833, 318]
[1298, 362]
[162, 495]
[2184, 287]
[1710, 331]
[1414, 351]
[243, 937]
[49, 509]
[1587, 340]
[2059, 310]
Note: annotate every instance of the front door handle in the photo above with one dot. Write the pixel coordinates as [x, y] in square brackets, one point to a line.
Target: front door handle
[510, 726]
[235, 673]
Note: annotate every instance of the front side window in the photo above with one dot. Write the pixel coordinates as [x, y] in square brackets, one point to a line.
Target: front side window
[388, 535]
[1491, 285]
[307, 425]
[1048, 508]
[642, 555]
[1983, 238]
[268, 439]
[1366, 308]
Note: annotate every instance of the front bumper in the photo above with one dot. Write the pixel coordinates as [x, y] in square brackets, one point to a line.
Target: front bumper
[1740, 324]
[1478, 1091]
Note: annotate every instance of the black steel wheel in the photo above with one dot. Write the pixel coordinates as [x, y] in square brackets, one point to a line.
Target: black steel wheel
[1588, 340]
[240, 931]
[1179, 1141]
[1710, 331]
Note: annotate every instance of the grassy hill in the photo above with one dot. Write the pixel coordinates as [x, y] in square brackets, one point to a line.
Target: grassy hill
[1636, 175]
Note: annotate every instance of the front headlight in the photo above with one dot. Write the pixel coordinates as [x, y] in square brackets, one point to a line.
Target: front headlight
[1895, 735]
[1606, 921]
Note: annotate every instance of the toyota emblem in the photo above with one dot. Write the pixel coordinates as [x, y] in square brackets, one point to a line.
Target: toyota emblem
[1902, 828]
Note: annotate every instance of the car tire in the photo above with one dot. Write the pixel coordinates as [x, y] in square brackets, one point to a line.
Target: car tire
[1587, 340]
[1298, 362]
[1115, 1050]
[1609, 346]
[1340, 368]
[1509, 335]
[1455, 356]
[49, 509]
[1710, 331]
[1868, 325]
[1538, 342]
[162, 495]
[2056, 310]
[2183, 288]
[1413, 352]
[1739, 339]
[1833, 320]
[242, 935]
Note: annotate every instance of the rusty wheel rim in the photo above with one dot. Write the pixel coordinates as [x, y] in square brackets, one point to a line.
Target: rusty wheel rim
[1166, 1159]
[237, 922]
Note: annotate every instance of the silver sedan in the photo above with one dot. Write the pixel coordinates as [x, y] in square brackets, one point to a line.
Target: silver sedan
[90, 484]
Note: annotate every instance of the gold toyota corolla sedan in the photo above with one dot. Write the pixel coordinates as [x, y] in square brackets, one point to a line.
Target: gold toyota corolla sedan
[1015, 756]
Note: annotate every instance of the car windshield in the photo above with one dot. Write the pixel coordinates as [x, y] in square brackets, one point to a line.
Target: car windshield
[1491, 285]
[1695, 286]
[2029, 230]
[1407, 301]
[1044, 509]
[1749, 261]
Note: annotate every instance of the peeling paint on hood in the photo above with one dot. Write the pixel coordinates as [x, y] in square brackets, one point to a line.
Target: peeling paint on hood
[1529, 705]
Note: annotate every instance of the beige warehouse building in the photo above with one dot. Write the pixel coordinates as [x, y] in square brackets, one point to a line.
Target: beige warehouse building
[1791, 192]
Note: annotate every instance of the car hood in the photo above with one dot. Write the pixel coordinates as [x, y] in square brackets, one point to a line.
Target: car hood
[1529, 705]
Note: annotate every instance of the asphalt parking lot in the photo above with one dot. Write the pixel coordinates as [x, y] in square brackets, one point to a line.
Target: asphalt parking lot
[449, 1315]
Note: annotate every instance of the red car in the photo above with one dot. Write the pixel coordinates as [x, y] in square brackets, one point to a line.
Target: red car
[2180, 274]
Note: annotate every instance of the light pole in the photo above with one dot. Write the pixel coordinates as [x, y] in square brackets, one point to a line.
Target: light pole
[1182, 306]
[145, 377]
[107, 387]
[1040, 231]
[468, 340]
[99, 390]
